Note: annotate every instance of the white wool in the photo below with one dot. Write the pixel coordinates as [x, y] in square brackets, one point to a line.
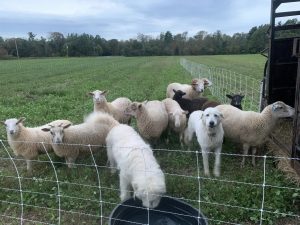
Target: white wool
[252, 128]
[27, 141]
[177, 117]
[192, 91]
[139, 169]
[152, 118]
[70, 141]
[116, 108]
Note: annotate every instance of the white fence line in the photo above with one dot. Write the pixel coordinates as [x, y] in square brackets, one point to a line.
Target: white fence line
[96, 183]
[227, 82]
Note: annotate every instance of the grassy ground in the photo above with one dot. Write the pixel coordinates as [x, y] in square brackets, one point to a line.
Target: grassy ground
[43, 90]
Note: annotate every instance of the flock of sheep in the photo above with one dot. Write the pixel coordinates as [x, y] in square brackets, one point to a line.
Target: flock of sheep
[183, 112]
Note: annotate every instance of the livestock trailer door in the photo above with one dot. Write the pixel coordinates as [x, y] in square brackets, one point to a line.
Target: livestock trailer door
[282, 67]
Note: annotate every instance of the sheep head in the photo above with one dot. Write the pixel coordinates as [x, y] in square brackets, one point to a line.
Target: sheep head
[281, 110]
[134, 108]
[178, 94]
[57, 132]
[12, 125]
[98, 96]
[200, 84]
[236, 100]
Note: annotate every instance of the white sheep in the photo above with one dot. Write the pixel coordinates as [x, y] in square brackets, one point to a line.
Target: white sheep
[192, 90]
[69, 140]
[115, 108]
[177, 118]
[139, 170]
[151, 117]
[27, 141]
[209, 131]
[252, 128]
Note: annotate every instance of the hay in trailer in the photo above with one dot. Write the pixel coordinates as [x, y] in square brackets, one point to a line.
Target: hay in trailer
[283, 133]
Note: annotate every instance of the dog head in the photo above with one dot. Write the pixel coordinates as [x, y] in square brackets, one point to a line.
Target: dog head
[211, 117]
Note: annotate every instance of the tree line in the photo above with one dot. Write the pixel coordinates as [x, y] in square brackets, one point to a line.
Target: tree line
[202, 43]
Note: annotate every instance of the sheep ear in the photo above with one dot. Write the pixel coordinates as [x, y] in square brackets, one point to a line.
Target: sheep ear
[46, 129]
[91, 93]
[185, 112]
[145, 102]
[67, 125]
[207, 82]
[140, 105]
[229, 96]
[104, 92]
[183, 93]
[194, 81]
[21, 120]
[174, 91]
[2, 122]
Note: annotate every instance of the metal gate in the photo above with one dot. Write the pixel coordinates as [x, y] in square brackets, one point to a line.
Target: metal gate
[282, 71]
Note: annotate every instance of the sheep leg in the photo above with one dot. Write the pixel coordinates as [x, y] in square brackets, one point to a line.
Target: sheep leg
[253, 155]
[70, 161]
[217, 162]
[205, 161]
[188, 136]
[181, 139]
[245, 152]
[124, 188]
[29, 166]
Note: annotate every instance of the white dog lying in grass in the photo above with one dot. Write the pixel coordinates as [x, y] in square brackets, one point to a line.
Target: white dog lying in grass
[139, 170]
[209, 131]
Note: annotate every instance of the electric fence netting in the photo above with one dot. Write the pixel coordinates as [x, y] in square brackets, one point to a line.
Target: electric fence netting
[227, 82]
[88, 193]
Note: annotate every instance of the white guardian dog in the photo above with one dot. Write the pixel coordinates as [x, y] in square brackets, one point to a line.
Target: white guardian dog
[209, 131]
[128, 152]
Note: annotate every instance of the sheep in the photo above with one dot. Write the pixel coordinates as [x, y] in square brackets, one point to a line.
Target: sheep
[139, 170]
[177, 118]
[252, 128]
[69, 141]
[115, 108]
[192, 91]
[152, 118]
[236, 100]
[187, 104]
[209, 131]
[28, 142]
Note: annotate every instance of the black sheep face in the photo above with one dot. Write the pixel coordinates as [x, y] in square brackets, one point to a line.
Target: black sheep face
[236, 100]
[178, 93]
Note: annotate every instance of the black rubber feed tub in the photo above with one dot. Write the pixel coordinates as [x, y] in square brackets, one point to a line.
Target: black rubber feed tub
[170, 211]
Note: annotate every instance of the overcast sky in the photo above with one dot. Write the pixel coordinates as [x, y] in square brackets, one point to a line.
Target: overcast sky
[124, 19]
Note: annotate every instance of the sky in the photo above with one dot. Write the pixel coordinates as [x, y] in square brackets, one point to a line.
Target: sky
[125, 19]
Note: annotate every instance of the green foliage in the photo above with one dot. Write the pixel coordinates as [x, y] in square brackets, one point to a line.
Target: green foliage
[43, 90]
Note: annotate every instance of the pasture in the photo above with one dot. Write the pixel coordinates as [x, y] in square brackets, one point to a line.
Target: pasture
[47, 89]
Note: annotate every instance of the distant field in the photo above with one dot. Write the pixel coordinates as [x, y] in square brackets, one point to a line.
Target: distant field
[250, 65]
[43, 90]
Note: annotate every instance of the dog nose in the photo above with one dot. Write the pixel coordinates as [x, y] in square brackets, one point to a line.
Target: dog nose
[211, 123]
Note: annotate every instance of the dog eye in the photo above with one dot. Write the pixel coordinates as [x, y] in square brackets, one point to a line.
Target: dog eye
[215, 115]
[207, 115]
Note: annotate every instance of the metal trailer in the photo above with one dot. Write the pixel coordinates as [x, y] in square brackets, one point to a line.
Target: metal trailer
[282, 72]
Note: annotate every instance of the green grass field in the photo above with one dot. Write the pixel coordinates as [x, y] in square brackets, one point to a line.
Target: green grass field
[43, 90]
